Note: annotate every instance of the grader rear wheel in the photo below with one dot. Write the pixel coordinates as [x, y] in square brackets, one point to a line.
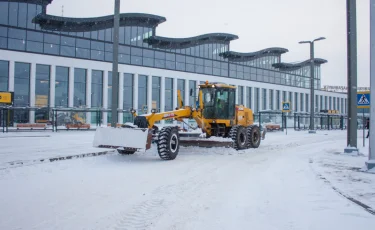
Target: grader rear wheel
[254, 136]
[239, 136]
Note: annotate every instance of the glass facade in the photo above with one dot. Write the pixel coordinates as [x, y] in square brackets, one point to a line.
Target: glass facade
[240, 95]
[181, 87]
[62, 86]
[168, 94]
[128, 96]
[96, 88]
[264, 99]
[193, 89]
[278, 101]
[271, 100]
[142, 94]
[42, 88]
[18, 32]
[21, 91]
[4, 74]
[249, 97]
[156, 84]
[80, 76]
[307, 103]
[256, 100]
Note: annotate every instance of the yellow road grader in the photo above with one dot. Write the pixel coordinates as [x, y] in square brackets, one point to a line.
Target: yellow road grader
[216, 114]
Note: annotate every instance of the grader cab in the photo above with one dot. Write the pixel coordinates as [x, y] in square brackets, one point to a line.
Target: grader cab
[216, 114]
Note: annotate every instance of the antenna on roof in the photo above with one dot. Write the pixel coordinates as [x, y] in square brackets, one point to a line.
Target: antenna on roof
[62, 11]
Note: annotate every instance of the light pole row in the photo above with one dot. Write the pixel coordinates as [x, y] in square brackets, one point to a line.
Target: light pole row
[312, 81]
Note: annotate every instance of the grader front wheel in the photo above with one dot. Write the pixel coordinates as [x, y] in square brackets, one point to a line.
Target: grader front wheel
[168, 143]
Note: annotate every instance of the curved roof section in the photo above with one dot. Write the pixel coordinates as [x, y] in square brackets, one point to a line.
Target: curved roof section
[65, 24]
[237, 56]
[41, 2]
[295, 66]
[181, 43]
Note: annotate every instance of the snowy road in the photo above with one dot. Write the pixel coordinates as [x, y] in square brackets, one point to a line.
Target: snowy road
[274, 187]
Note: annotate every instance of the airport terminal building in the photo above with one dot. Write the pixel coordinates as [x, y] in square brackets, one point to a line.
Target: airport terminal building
[50, 61]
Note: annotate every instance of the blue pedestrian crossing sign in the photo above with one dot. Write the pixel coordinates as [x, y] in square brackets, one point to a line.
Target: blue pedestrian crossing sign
[363, 100]
[286, 106]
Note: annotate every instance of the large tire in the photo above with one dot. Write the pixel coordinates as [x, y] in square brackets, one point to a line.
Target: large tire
[239, 136]
[141, 122]
[168, 143]
[254, 136]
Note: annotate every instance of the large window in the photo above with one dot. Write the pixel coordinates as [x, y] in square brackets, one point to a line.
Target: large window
[21, 91]
[264, 99]
[168, 94]
[278, 102]
[296, 101]
[192, 88]
[62, 87]
[249, 97]
[128, 96]
[79, 87]
[42, 92]
[181, 87]
[110, 89]
[240, 95]
[97, 89]
[156, 83]
[42, 85]
[302, 100]
[307, 102]
[4, 75]
[271, 99]
[142, 94]
[256, 100]
[4, 13]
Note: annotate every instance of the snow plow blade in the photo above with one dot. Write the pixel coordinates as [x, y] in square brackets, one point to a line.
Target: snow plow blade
[205, 143]
[128, 138]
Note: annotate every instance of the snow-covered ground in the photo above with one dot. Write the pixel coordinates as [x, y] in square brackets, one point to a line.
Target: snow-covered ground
[277, 186]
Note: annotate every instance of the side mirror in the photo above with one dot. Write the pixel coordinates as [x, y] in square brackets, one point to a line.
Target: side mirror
[191, 92]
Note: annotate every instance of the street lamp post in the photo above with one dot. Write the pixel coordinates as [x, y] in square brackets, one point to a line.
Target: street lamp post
[115, 75]
[312, 83]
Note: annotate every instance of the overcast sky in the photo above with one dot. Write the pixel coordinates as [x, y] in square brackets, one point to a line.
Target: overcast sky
[258, 23]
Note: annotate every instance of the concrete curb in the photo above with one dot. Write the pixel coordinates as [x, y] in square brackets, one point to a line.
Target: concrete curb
[15, 164]
[355, 201]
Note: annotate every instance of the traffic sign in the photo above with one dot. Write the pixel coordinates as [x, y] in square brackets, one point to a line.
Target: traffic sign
[286, 106]
[6, 98]
[363, 100]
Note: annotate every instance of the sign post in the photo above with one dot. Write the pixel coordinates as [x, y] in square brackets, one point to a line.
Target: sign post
[363, 102]
[286, 109]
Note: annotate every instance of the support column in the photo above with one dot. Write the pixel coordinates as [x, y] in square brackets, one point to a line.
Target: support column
[71, 87]
[149, 93]
[11, 76]
[32, 92]
[88, 95]
[105, 99]
[175, 88]
[52, 86]
[121, 97]
[371, 157]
